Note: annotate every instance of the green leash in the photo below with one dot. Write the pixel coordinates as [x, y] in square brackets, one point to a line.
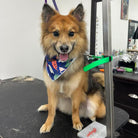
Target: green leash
[102, 60]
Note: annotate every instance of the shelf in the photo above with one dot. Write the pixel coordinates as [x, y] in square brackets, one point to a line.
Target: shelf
[132, 50]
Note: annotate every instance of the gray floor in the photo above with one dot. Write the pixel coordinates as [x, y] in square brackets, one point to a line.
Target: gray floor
[19, 118]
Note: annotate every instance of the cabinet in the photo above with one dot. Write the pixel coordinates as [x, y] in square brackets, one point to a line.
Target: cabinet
[126, 97]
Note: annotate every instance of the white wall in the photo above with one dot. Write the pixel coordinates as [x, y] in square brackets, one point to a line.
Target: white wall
[119, 28]
[133, 10]
[20, 51]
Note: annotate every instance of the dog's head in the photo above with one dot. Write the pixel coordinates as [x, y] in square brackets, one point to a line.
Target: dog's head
[63, 36]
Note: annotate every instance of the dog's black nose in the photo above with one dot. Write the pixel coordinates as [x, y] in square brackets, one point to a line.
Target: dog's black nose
[64, 48]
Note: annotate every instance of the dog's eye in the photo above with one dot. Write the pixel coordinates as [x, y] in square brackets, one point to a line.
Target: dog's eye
[56, 33]
[71, 34]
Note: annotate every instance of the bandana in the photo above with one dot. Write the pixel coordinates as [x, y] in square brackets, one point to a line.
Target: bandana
[55, 68]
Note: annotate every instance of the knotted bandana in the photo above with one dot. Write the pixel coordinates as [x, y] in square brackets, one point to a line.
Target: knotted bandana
[55, 67]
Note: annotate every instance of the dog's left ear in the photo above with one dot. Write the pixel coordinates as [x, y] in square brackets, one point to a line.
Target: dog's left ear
[78, 13]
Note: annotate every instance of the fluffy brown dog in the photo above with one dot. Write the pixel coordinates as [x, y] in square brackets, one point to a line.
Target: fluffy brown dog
[75, 92]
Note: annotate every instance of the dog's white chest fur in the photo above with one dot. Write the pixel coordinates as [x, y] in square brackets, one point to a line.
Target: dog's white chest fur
[61, 88]
[87, 109]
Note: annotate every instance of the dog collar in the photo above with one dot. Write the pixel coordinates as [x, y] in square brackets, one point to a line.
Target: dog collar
[55, 68]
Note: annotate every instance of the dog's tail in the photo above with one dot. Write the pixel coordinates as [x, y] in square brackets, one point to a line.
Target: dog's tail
[99, 76]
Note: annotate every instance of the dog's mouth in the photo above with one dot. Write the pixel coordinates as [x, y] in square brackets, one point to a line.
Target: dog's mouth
[64, 51]
[63, 57]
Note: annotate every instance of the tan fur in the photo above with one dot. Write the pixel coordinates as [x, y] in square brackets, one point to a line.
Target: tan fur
[99, 77]
[64, 24]
[71, 87]
[97, 99]
[101, 112]
[43, 108]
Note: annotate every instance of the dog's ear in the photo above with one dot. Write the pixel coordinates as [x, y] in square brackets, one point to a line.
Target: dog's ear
[47, 13]
[78, 13]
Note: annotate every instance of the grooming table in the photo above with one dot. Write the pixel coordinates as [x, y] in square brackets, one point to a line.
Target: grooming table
[19, 100]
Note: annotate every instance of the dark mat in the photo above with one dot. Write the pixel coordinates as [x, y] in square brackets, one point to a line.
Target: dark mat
[19, 118]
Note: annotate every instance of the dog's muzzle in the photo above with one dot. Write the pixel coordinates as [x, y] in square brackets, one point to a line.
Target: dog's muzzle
[64, 49]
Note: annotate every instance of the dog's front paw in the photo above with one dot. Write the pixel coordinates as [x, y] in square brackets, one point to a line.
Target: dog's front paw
[77, 125]
[45, 128]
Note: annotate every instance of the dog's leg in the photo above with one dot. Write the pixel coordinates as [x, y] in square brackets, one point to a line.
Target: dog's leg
[43, 108]
[76, 100]
[93, 118]
[101, 112]
[52, 104]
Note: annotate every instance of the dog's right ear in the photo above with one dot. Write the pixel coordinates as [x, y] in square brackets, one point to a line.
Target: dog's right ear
[47, 13]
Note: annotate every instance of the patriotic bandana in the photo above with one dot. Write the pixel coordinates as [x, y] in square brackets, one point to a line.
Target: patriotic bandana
[55, 67]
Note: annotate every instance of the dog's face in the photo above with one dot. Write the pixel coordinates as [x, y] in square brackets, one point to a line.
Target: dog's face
[63, 36]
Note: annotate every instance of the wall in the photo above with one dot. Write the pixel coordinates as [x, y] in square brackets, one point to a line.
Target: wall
[133, 10]
[20, 51]
[119, 28]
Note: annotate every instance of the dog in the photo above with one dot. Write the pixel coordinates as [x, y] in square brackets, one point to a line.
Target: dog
[69, 88]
